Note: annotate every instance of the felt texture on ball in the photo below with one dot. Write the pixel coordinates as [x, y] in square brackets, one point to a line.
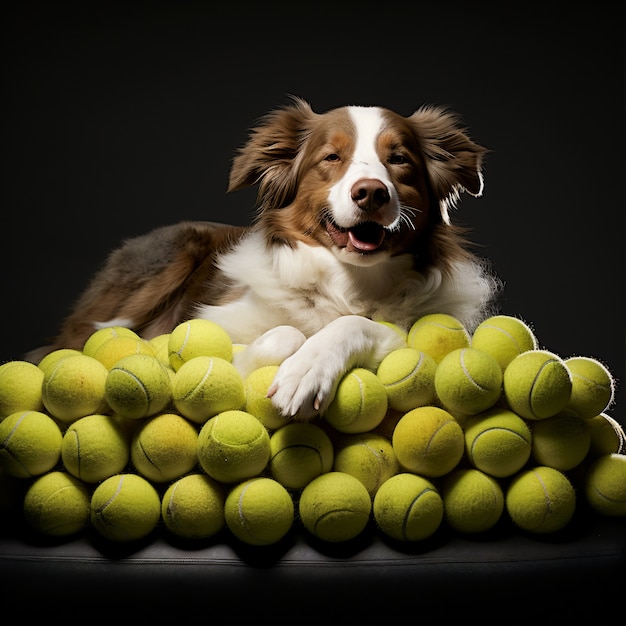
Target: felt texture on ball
[95, 447]
[116, 348]
[503, 337]
[30, 444]
[437, 334]
[428, 441]
[50, 360]
[537, 384]
[540, 500]
[98, 337]
[193, 507]
[125, 507]
[335, 507]
[468, 381]
[367, 456]
[256, 386]
[74, 388]
[57, 504]
[198, 337]
[164, 448]
[20, 387]
[300, 451]
[360, 402]
[138, 386]
[408, 376]
[605, 485]
[593, 386]
[473, 501]
[160, 345]
[259, 511]
[233, 446]
[205, 386]
[606, 435]
[498, 442]
[408, 507]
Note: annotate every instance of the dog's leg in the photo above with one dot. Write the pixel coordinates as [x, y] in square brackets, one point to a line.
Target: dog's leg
[306, 381]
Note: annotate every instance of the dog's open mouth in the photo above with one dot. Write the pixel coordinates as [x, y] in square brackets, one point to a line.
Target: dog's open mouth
[364, 237]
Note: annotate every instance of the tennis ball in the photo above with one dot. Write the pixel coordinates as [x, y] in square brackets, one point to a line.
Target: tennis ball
[593, 386]
[233, 446]
[256, 386]
[472, 500]
[335, 507]
[428, 441]
[30, 444]
[160, 345]
[98, 337]
[193, 507]
[408, 376]
[20, 387]
[468, 381]
[50, 360]
[116, 348]
[125, 507]
[437, 334]
[368, 457]
[138, 386]
[537, 384]
[605, 485]
[57, 504]
[606, 435]
[360, 402]
[95, 447]
[503, 337]
[205, 386]
[164, 448]
[498, 442]
[259, 511]
[561, 441]
[540, 500]
[401, 332]
[408, 507]
[299, 452]
[198, 337]
[74, 388]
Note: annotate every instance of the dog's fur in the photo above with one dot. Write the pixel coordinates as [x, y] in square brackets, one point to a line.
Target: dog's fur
[353, 227]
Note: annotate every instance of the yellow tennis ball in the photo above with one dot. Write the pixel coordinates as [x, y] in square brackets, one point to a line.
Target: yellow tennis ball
[428, 441]
[408, 507]
[160, 345]
[164, 448]
[205, 386]
[259, 511]
[138, 386]
[408, 376]
[74, 388]
[233, 446]
[593, 386]
[98, 337]
[30, 444]
[299, 452]
[50, 360]
[498, 442]
[360, 402]
[606, 435]
[540, 500]
[335, 507]
[95, 447]
[116, 348]
[125, 507]
[57, 504]
[605, 485]
[472, 500]
[193, 507]
[468, 381]
[561, 441]
[20, 387]
[368, 457]
[503, 337]
[401, 332]
[437, 334]
[198, 337]
[537, 384]
[256, 386]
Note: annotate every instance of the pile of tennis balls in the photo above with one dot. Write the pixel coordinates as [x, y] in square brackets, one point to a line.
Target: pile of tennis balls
[129, 436]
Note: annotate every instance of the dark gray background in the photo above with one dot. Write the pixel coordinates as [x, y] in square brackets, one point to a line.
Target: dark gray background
[123, 116]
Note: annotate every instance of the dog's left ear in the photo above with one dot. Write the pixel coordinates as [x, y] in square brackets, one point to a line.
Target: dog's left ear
[453, 160]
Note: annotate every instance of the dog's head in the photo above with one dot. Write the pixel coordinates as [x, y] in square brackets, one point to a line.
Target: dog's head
[365, 182]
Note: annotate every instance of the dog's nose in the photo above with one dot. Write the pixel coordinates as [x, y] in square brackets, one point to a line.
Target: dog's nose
[370, 194]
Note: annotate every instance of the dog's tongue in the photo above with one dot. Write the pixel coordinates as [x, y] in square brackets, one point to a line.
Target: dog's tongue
[367, 236]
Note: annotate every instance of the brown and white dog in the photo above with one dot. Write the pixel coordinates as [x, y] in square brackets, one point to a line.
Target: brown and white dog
[353, 228]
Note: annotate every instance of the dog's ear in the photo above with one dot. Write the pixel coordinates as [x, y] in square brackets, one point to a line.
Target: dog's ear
[270, 156]
[453, 160]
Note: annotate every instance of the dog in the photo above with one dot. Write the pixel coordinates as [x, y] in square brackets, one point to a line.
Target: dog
[353, 228]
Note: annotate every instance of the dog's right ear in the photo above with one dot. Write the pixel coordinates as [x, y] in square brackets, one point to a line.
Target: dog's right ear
[270, 156]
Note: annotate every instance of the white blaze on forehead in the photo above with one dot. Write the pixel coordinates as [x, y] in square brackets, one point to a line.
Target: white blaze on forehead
[368, 123]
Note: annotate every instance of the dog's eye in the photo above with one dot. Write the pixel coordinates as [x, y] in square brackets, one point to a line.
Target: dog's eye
[332, 157]
[397, 159]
